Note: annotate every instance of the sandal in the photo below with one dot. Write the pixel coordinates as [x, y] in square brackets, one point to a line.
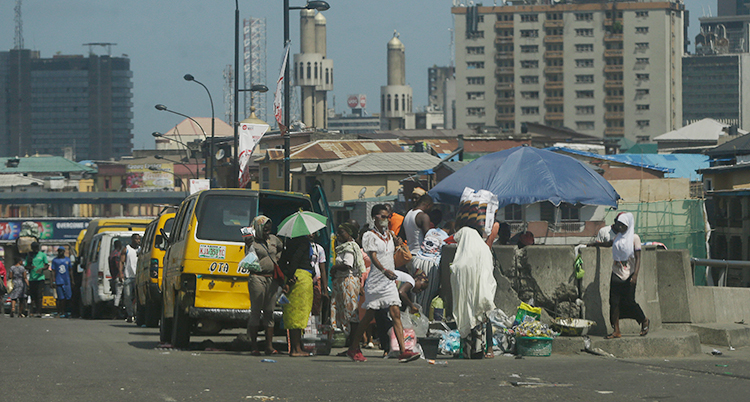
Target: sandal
[612, 336]
[272, 352]
[644, 329]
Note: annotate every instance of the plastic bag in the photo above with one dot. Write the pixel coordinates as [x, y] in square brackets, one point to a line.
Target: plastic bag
[420, 323]
[525, 310]
[249, 263]
[498, 318]
[410, 340]
[450, 343]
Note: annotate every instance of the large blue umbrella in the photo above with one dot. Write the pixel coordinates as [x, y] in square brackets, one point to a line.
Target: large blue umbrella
[525, 175]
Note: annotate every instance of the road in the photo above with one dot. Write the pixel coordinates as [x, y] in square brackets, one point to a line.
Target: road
[47, 359]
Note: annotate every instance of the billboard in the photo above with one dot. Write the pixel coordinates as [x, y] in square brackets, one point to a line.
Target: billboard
[149, 177]
[67, 229]
[357, 101]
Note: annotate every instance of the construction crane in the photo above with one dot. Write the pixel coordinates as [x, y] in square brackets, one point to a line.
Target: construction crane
[18, 39]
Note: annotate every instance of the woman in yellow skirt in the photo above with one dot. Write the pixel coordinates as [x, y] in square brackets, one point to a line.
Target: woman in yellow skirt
[295, 263]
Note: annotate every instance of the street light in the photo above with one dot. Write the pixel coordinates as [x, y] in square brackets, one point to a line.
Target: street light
[156, 169]
[311, 5]
[209, 160]
[157, 134]
[163, 108]
[159, 157]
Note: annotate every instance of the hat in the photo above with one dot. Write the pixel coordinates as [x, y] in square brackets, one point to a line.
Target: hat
[418, 191]
[61, 248]
[247, 231]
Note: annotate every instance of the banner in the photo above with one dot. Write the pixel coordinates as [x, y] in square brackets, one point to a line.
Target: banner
[250, 134]
[149, 177]
[48, 229]
[277, 97]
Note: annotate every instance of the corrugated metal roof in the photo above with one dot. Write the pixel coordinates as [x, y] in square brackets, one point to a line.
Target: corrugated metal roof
[704, 130]
[739, 145]
[334, 149]
[377, 163]
[45, 164]
[610, 158]
[681, 165]
[13, 180]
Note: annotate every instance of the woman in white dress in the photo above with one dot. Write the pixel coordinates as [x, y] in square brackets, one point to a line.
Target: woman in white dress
[380, 288]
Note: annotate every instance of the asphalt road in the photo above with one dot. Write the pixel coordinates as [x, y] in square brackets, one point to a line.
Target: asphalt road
[47, 359]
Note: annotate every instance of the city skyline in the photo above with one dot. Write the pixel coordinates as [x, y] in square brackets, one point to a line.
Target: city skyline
[163, 42]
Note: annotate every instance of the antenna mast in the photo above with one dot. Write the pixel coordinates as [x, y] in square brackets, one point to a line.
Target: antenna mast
[228, 94]
[18, 39]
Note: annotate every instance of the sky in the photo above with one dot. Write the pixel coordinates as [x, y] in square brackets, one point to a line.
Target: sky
[167, 39]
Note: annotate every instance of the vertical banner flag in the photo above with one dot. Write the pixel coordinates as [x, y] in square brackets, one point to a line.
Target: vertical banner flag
[250, 134]
[277, 97]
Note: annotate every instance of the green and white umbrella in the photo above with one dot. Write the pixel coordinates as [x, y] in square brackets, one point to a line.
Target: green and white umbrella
[301, 223]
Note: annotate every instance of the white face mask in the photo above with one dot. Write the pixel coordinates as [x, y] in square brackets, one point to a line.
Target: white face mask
[383, 223]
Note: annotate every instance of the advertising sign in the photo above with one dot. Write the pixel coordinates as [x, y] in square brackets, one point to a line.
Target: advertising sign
[67, 229]
[149, 177]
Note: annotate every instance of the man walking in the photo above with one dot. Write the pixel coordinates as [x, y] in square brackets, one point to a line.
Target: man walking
[36, 263]
[128, 262]
[62, 281]
[115, 272]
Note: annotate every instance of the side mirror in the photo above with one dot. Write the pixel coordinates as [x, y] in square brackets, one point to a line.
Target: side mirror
[165, 239]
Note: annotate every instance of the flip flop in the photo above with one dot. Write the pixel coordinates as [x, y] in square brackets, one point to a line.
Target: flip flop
[612, 336]
[272, 352]
[644, 330]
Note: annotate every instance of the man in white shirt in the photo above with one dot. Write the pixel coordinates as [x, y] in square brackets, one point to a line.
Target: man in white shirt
[128, 260]
[416, 224]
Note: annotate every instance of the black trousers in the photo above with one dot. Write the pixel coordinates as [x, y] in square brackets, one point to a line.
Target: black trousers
[36, 291]
[622, 299]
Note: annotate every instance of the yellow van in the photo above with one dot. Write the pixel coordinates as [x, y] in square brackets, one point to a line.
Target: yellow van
[148, 272]
[202, 286]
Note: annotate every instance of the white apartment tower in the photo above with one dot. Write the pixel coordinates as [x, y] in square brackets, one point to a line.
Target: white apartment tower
[313, 72]
[607, 69]
[396, 97]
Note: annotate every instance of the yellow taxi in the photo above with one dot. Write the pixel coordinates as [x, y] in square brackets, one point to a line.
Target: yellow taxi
[148, 272]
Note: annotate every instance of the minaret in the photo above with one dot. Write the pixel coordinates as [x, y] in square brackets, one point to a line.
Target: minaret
[313, 72]
[396, 97]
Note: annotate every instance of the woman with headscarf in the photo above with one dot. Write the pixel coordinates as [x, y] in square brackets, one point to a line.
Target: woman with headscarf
[263, 288]
[298, 286]
[345, 276]
[473, 288]
[626, 256]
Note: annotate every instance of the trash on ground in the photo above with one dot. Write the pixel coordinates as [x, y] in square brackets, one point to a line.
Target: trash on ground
[268, 361]
[716, 352]
[605, 392]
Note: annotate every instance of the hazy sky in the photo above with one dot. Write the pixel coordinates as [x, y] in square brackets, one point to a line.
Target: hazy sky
[166, 39]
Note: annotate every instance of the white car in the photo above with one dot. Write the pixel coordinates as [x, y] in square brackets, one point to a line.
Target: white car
[96, 289]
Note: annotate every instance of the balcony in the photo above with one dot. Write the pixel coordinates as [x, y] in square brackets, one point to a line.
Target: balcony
[505, 102]
[553, 85]
[503, 55]
[553, 54]
[614, 99]
[614, 131]
[613, 69]
[504, 71]
[554, 100]
[503, 86]
[505, 117]
[553, 24]
[608, 22]
[503, 24]
[612, 84]
[503, 40]
[613, 53]
[613, 38]
[553, 39]
[614, 115]
[553, 69]
[553, 116]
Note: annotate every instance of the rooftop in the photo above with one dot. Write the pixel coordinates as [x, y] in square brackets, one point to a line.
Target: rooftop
[43, 164]
[375, 163]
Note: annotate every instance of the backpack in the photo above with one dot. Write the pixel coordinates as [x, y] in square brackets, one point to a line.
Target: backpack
[113, 259]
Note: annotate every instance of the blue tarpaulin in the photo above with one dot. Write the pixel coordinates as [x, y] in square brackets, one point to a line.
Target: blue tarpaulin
[525, 175]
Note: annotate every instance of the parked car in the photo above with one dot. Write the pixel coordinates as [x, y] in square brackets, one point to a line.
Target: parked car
[149, 270]
[96, 288]
[203, 287]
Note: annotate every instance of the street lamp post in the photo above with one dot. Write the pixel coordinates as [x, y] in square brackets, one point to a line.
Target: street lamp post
[209, 160]
[163, 108]
[156, 134]
[311, 5]
[159, 157]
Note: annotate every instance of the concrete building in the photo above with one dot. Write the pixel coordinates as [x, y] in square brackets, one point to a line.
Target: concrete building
[611, 69]
[436, 86]
[74, 102]
[396, 97]
[714, 86]
[313, 72]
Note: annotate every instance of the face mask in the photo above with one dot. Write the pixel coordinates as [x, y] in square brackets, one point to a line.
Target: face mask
[383, 223]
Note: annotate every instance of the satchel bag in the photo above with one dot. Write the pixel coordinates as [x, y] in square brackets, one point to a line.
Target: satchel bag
[401, 254]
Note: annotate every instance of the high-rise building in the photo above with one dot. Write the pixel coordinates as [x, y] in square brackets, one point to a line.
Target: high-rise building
[74, 102]
[609, 69]
[313, 72]
[396, 97]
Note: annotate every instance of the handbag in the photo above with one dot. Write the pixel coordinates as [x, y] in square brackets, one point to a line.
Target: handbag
[278, 274]
[401, 254]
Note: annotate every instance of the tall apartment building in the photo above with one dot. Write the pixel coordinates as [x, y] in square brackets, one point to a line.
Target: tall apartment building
[74, 102]
[609, 69]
